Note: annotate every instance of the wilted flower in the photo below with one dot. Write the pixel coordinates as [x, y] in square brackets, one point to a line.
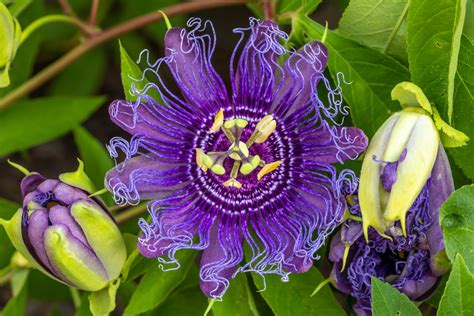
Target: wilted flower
[221, 171]
[405, 176]
[65, 233]
[10, 35]
[412, 264]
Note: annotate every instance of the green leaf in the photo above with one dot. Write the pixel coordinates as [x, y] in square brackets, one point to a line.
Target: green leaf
[457, 221]
[293, 297]
[371, 73]
[18, 280]
[156, 285]
[237, 301]
[96, 159]
[19, 6]
[38, 281]
[187, 301]
[7, 209]
[388, 301]
[433, 35]
[16, 305]
[30, 123]
[463, 115]
[90, 67]
[103, 302]
[457, 298]
[377, 24]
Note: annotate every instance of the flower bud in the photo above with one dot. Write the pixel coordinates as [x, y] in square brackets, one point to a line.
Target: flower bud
[397, 164]
[10, 35]
[65, 233]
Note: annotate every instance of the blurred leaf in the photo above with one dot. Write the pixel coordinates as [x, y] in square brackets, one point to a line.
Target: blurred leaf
[17, 304]
[7, 209]
[435, 298]
[156, 285]
[187, 301]
[19, 6]
[84, 308]
[38, 282]
[103, 302]
[457, 221]
[293, 297]
[433, 35]
[18, 281]
[377, 24]
[96, 159]
[388, 301]
[463, 115]
[131, 74]
[32, 122]
[371, 73]
[457, 298]
[139, 7]
[237, 301]
[90, 68]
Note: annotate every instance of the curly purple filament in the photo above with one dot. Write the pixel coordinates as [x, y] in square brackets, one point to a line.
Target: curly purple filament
[282, 218]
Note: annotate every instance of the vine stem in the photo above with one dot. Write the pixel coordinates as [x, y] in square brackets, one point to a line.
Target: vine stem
[130, 213]
[104, 36]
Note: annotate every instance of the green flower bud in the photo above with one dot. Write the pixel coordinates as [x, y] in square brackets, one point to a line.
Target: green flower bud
[10, 36]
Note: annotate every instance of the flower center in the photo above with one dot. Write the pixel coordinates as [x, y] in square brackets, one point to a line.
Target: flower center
[243, 162]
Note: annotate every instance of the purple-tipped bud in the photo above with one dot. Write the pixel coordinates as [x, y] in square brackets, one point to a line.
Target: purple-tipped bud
[65, 233]
[411, 263]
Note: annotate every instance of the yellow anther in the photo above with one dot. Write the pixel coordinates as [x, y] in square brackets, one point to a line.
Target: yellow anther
[201, 159]
[241, 123]
[218, 121]
[218, 169]
[250, 165]
[229, 124]
[233, 183]
[268, 168]
[265, 131]
[244, 150]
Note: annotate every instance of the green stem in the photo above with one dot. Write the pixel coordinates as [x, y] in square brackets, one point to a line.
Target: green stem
[75, 297]
[320, 286]
[49, 19]
[101, 37]
[130, 213]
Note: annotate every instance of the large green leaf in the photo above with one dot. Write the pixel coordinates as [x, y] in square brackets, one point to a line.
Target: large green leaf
[32, 122]
[96, 159]
[156, 285]
[237, 301]
[293, 297]
[388, 301]
[433, 35]
[463, 112]
[371, 73]
[187, 301]
[377, 24]
[90, 68]
[17, 304]
[457, 298]
[457, 221]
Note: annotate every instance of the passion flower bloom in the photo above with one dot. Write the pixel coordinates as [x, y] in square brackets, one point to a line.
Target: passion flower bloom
[221, 171]
[413, 264]
[66, 234]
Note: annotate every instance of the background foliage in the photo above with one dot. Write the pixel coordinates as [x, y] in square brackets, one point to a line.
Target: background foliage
[45, 122]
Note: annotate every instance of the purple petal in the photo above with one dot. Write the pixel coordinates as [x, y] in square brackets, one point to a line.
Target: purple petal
[61, 215]
[441, 186]
[67, 194]
[142, 178]
[220, 259]
[189, 59]
[302, 72]
[254, 77]
[37, 224]
[415, 289]
[31, 182]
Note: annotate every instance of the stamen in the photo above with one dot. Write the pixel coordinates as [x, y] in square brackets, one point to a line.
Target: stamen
[233, 183]
[200, 159]
[268, 168]
[218, 121]
[250, 165]
[263, 129]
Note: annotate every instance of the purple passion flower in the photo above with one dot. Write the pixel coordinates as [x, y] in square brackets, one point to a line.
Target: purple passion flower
[221, 171]
[66, 234]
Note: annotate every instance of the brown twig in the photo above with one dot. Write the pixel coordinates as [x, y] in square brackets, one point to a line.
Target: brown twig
[268, 10]
[66, 6]
[104, 36]
[93, 13]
